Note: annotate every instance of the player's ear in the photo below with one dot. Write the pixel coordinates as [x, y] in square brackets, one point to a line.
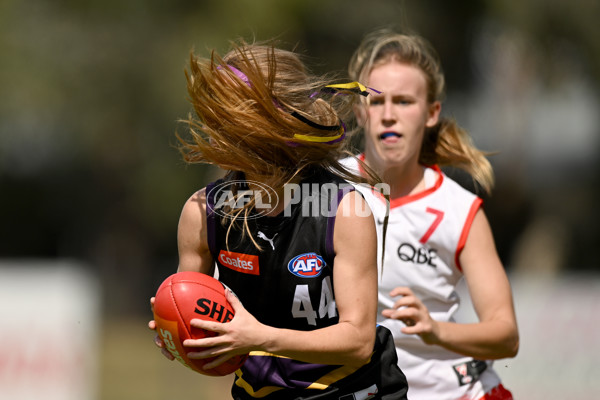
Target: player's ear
[360, 113]
[433, 114]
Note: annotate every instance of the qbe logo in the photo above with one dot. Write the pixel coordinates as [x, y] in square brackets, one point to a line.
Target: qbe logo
[307, 265]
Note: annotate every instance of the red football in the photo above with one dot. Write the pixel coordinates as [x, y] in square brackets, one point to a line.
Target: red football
[182, 297]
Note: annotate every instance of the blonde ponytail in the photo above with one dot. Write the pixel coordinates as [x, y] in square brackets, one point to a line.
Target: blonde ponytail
[447, 144]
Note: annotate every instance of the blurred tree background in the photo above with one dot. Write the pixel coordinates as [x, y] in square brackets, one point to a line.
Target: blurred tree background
[92, 91]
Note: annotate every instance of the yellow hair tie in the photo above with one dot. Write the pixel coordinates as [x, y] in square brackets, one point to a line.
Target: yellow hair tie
[341, 128]
[318, 139]
[354, 87]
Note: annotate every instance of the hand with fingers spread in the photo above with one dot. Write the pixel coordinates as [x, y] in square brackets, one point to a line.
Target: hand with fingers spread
[415, 315]
[236, 337]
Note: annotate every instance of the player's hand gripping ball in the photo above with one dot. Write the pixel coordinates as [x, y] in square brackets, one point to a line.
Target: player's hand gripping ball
[182, 297]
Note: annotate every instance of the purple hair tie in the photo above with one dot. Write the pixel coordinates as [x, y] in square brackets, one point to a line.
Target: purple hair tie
[238, 73]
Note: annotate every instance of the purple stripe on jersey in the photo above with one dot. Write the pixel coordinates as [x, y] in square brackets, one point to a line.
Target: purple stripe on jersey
[265, 370]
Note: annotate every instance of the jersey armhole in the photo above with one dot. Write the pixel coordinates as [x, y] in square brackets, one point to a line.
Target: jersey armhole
[475, 206]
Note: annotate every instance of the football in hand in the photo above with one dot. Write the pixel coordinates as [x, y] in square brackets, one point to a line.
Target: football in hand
[182, 297]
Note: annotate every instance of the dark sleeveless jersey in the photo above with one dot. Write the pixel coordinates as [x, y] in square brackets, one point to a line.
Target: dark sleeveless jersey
[289, 284]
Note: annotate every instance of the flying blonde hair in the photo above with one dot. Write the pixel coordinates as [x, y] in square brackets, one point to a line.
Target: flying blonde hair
[259, 111]
[445, 144]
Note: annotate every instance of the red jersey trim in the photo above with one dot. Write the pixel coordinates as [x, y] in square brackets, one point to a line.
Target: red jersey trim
[400, 201]
[498, 393]
[465, 231]
[361, 157]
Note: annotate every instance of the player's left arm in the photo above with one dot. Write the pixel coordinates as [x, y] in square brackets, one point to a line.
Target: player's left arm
[496, 335]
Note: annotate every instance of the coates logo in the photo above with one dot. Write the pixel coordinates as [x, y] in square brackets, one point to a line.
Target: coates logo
[230, 196]
[245, 263]
[307, 265]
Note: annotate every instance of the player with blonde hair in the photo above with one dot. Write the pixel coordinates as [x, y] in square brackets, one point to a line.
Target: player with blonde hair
[437, 233]
[306, 280]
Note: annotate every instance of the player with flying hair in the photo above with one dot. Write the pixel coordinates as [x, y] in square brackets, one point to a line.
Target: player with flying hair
[437, 232]
[311, 332]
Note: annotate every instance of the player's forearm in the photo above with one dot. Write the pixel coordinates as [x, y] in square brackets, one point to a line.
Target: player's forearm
[485, 340]
[340, 344]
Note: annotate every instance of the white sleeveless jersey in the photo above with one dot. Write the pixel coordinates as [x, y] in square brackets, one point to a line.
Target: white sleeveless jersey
[425, 235]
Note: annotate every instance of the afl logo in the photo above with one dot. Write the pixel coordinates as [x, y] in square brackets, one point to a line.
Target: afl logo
[307, 265]
[234, 195]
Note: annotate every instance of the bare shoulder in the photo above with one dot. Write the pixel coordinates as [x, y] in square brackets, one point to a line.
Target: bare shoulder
[354, 206]
[480, 237]
[354, 226]
[479, 259]
[194, 209]
[198, 198]
[192, 236]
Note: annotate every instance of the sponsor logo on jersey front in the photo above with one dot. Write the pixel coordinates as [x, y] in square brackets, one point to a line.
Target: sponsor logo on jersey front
[421, 255]
[244, 263]
[307, 265]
